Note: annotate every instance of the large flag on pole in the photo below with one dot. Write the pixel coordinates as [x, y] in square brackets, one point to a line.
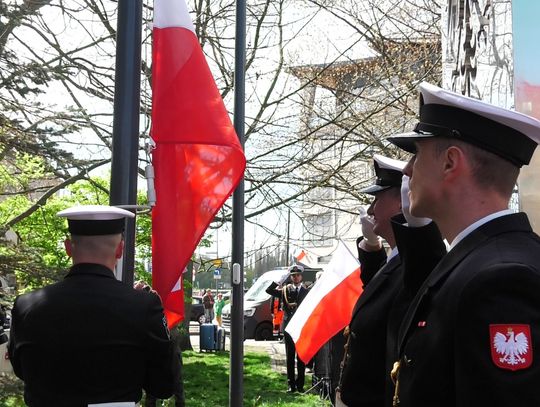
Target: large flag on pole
[328, 307]
[198, 159]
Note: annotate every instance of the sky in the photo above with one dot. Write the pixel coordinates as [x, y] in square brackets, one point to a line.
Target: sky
[526, 32]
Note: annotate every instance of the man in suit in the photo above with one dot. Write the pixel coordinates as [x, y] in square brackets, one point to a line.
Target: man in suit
[365, 372]
[90, 339]
[291, 295]
[471, 336]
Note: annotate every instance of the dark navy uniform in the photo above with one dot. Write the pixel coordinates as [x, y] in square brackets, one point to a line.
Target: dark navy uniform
[291, 298]
[378, 312]
[90, 339]
[371, 262]
[472, 334]
[365, 377]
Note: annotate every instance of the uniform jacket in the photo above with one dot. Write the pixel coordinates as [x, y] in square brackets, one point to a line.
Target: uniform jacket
[377, 314]
[371, 262]
[363, 376]
[487, 282]
[90, 339]
[291, 300]
[208, 301]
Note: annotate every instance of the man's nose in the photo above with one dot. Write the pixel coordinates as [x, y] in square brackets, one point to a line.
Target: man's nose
[408, 170]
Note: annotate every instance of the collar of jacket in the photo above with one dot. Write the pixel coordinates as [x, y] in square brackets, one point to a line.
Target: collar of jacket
[90, 268]
[518, 222]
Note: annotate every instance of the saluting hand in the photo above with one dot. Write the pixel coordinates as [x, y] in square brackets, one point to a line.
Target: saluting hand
[412, 221]
[366, 223]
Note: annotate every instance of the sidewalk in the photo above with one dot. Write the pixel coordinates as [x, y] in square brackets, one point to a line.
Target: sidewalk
[275, 349]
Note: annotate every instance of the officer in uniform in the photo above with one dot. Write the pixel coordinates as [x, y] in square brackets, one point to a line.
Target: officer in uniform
[364, 376]
[3, 319]
[291, 295]
[91, 339]
[471, 336]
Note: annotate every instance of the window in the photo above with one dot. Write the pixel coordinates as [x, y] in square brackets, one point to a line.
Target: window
[319, 229]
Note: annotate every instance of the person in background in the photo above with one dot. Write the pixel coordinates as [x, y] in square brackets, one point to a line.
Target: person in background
[3, 320]
[208, 304]
[292, 296]
[218, 307]
[90, 339]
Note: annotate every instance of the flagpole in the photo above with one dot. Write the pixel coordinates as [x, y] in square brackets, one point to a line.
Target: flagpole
[125, 135]
[236, 385]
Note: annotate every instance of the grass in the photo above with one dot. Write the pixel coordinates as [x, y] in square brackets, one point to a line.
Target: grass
[206, 383]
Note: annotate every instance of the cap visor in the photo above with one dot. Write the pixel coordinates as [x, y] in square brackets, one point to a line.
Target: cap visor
[406, 141]
[373, 189]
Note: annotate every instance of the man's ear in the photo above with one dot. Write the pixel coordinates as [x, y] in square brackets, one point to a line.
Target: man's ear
[120, 249]
[68, 247]
[454, 162]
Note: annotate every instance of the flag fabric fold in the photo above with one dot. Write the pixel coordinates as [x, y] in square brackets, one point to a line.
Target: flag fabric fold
[304, 257]
[328, 306]
[198, 160]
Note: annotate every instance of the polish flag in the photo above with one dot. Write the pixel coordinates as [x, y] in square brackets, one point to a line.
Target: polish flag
[328, 306]
[302, 256]
[198, 159]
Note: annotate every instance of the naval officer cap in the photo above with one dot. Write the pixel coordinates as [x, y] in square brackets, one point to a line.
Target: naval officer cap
[93, 220]
[296, 269]
[388, 174]
[506, 133]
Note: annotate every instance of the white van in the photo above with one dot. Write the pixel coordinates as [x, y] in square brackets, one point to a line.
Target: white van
[258, 304]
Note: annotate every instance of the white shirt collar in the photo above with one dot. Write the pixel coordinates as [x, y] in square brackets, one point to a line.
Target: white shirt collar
[461, 235]
[392, 254]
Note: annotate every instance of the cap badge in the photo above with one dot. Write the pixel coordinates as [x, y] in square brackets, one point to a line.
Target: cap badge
[511, 346]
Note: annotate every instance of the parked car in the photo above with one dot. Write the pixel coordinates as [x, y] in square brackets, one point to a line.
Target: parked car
[197, 310]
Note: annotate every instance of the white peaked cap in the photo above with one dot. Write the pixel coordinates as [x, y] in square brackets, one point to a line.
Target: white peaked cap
[506, 133]
[95, 212]
[388, 173]
[389, 163]
[91, 220]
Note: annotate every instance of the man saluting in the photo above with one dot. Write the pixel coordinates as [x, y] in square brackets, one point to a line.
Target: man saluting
[292, 296]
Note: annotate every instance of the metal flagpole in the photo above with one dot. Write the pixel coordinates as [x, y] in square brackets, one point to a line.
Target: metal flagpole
[125, 139]
[236, 385]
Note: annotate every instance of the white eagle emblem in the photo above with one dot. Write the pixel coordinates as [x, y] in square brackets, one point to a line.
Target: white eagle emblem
[511, 349]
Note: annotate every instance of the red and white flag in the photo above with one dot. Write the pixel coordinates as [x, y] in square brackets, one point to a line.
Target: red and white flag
[328, 306]
[198, 159]
[302, 256]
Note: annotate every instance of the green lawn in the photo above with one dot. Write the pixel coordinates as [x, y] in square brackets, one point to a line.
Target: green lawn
[206, 384]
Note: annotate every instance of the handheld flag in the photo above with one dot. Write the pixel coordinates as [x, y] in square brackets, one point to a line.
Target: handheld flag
[303, 257]
[328, 306]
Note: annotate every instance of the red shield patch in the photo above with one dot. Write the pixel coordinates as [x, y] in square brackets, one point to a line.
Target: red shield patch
[511, 346]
